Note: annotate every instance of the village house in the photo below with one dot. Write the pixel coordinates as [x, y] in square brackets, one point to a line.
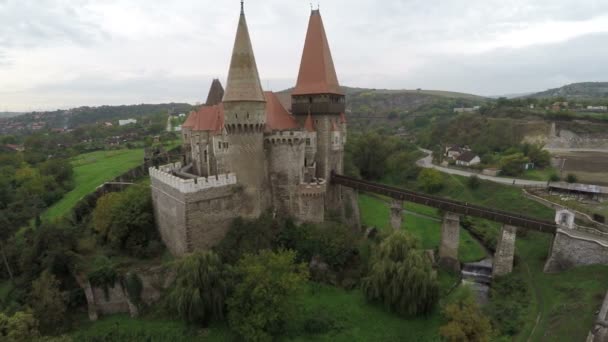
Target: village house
[453, 152]
[468, 159]
[126, 122]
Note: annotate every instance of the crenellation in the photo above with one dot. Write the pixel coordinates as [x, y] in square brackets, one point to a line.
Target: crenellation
[163, 174]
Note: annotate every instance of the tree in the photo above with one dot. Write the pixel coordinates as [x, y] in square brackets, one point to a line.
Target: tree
[430, 180]
[465, 321]
[249, 236]
[46, 302]
[401, 276]
[512, 165]
[201, 288]
[20, 327]
[125, 221]
[266, 295]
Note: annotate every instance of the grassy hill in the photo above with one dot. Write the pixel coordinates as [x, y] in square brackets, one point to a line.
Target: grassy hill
[92, 170]
[576, 91]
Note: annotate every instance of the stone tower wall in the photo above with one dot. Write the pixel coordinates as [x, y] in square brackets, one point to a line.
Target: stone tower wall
[311, 202]
[245, 123]
[285, 152]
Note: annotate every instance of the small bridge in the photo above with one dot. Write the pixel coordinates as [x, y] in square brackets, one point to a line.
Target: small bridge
[563, 228]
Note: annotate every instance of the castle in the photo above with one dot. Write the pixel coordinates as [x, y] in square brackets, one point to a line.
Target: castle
[246, 154]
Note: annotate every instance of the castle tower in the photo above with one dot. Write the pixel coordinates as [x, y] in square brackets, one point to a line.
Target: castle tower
[245, 120]
[216, 93]
[318, 92]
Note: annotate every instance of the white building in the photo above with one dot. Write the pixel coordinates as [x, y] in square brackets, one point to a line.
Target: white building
[468, 159]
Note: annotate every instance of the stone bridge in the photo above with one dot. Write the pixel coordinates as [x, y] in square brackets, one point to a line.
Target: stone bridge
[573, 245]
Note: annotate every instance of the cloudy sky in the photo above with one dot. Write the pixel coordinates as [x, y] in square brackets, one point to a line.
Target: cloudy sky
[66, 53]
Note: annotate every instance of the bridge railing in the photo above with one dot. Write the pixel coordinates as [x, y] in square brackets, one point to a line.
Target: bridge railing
[457, 207]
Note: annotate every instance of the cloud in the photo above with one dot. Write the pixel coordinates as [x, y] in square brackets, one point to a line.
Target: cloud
[60, 53]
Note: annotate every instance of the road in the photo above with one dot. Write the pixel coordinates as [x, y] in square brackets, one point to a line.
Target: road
[427, 162]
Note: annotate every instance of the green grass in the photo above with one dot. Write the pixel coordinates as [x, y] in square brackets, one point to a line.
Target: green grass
[539, 174]
[375, 212]
[124, 328]
[92, 170]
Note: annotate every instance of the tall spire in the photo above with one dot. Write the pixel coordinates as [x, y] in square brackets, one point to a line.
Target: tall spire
[317, 73]
[243, 78]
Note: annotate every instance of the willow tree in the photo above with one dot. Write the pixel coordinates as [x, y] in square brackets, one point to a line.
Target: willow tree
[201, 288]
[401, 276]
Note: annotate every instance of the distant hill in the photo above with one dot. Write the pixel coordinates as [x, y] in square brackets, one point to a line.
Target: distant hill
[385, 103]
[580, 91]
[9, 114]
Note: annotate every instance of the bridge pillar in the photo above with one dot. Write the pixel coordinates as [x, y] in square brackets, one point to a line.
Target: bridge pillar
[505, 251]
[450, 238]
[396, 214]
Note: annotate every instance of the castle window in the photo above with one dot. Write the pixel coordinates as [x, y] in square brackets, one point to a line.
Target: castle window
[310, 100]
[205, 156]
[247, 115]
[219, 145]
[307, 141]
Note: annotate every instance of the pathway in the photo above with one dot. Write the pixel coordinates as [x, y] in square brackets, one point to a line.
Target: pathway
[427, 162]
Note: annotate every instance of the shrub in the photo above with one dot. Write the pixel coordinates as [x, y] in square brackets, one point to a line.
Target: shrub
[473, 182]
[571, 178]
[334, 243]
[249, 236]
[554, 177]
[509, 299]
[465, 321]
[266, 294]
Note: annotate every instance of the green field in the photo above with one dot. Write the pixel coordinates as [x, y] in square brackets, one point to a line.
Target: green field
[92, 170]
[421, 221]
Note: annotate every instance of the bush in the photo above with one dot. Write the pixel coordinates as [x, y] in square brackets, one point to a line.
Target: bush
[334, 243]
[510, 297]
[103, 275]
[554, 178]
[249, 236]
[266, 294]
[473, 182]
[571, 178]
[465, 321]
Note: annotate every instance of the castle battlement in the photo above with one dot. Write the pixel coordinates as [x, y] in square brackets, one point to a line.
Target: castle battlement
[286, 138]
[163, 174]
[318, 188]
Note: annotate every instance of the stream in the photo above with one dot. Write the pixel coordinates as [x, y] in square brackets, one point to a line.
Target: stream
[478, 276]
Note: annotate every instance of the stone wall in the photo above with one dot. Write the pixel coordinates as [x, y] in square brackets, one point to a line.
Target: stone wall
[505, 251]
[154, 280]
[194, 214]
[569, 250]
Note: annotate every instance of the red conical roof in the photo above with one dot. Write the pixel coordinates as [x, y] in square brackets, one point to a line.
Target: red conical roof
[317, 73]
[243, 78]
[277, 117]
